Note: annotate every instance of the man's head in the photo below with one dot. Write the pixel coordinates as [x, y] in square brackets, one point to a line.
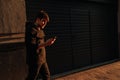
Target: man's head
[42, 19]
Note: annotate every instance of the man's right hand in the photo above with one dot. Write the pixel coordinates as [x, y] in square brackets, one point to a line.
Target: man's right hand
[50, 41]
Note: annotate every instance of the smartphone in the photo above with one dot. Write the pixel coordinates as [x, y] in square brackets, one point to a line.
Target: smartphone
[55, 37]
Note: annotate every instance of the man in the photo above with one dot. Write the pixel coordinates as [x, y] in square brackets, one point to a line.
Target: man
[35, 46]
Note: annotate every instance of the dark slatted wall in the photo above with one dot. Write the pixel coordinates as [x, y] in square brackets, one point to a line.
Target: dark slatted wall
[80, 37]
[60, 53]
[99, 34]
[102, 24]
[85, 33]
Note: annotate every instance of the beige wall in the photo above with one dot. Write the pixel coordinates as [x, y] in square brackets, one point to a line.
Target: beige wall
[12, 16]
[12, 59]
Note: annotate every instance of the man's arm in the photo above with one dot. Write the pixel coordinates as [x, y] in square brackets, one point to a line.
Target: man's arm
[47, 43]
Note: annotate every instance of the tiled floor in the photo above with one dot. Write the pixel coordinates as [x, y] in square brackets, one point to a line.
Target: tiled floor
[105, 72]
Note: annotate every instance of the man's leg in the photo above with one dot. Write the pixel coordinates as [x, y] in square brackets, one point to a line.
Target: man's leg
[33, 72]
[45, 71]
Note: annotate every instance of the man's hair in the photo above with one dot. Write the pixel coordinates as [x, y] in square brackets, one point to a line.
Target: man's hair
[42, 15]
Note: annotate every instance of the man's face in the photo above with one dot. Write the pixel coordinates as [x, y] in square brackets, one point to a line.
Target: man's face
[42, 22]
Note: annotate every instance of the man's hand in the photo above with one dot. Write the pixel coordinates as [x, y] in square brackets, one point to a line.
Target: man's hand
[47, 43]
[50, 41]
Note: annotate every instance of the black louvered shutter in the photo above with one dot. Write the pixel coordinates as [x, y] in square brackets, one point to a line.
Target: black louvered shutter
[80, 37]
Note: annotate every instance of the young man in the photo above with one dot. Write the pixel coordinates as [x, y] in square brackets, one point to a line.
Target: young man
[35, 46]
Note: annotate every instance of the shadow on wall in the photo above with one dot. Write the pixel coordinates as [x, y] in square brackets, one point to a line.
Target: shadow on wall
[12, 61]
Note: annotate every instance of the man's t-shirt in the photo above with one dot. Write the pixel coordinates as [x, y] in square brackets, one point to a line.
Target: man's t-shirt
[33, 38]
